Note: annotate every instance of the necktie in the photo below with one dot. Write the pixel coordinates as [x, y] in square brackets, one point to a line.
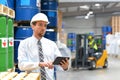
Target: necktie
[41, 57]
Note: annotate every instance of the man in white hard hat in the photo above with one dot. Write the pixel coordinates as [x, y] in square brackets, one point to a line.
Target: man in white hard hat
[29, 54]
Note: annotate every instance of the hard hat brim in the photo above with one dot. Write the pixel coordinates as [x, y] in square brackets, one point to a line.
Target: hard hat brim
[39, 20]
[39, 17]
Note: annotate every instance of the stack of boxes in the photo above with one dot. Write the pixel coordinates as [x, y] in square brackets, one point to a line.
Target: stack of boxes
[114, 43]
[115, 23]
[62, 35]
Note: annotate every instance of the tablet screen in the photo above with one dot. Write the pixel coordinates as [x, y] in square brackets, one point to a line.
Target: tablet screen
[59, 59]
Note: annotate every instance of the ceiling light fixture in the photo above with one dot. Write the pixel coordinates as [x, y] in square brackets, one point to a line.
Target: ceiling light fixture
[86, 7]
[97, 5]
[89, 13]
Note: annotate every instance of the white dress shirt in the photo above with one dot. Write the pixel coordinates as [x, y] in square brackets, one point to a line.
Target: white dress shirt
[28, 56]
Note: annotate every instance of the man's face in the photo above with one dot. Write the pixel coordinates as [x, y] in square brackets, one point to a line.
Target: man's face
[40, 28]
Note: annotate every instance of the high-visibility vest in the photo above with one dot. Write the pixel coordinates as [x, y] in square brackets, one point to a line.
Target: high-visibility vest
[92, 44]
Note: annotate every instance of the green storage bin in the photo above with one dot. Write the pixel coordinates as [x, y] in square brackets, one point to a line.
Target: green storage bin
[10, 44]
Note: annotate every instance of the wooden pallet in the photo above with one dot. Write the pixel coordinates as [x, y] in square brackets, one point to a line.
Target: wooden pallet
[4, 10]
[20, 76]
[11, 70]
[21, 23]
[10, 76]
[32, 76]
[11, 13]
[3, 74]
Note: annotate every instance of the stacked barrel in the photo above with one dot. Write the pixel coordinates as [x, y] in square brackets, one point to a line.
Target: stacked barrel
[50, 34]
[3, 43]
[71, 43]
[6, 37]
[20, 34]
[105, 30]
[10, 43]
[50, 7]
[10, 4]
[25, 10]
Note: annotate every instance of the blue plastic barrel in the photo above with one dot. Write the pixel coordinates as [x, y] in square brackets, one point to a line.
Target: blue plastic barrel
[49, 5]
[51, 35]
[74, 42]
[91, 33]
[72, 48]
[22, 32]
[26, 9]
[52, 17]
[16, 44]
[109, 29]
[104, 35]
[71, 36]
[3, 2]
[11, 4]
[104, 29]
[104, 44]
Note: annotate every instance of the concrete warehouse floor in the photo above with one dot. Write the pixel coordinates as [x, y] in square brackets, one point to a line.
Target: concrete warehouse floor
[111, 73]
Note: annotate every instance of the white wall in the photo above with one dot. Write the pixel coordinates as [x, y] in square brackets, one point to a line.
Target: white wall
[81, 25]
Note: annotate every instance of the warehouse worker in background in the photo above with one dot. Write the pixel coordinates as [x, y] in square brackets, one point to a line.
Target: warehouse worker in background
[92, 45]
[28, 53]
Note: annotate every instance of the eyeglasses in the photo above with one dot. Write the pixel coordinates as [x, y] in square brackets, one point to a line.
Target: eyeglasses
[41, 24]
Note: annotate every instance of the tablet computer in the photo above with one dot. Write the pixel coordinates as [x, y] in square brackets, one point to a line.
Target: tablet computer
[59, 59]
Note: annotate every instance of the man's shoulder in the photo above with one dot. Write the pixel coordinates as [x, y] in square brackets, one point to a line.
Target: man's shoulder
[26, 39]
[47, 40]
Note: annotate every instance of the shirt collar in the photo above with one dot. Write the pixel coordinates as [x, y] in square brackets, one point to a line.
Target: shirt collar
[35, 39]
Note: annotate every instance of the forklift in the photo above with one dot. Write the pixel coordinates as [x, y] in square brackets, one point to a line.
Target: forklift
[83, 59]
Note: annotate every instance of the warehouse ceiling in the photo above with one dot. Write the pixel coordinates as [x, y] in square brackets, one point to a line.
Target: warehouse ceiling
[80, 8]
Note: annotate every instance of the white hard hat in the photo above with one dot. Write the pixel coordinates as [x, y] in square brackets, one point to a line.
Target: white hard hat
[39, 17]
